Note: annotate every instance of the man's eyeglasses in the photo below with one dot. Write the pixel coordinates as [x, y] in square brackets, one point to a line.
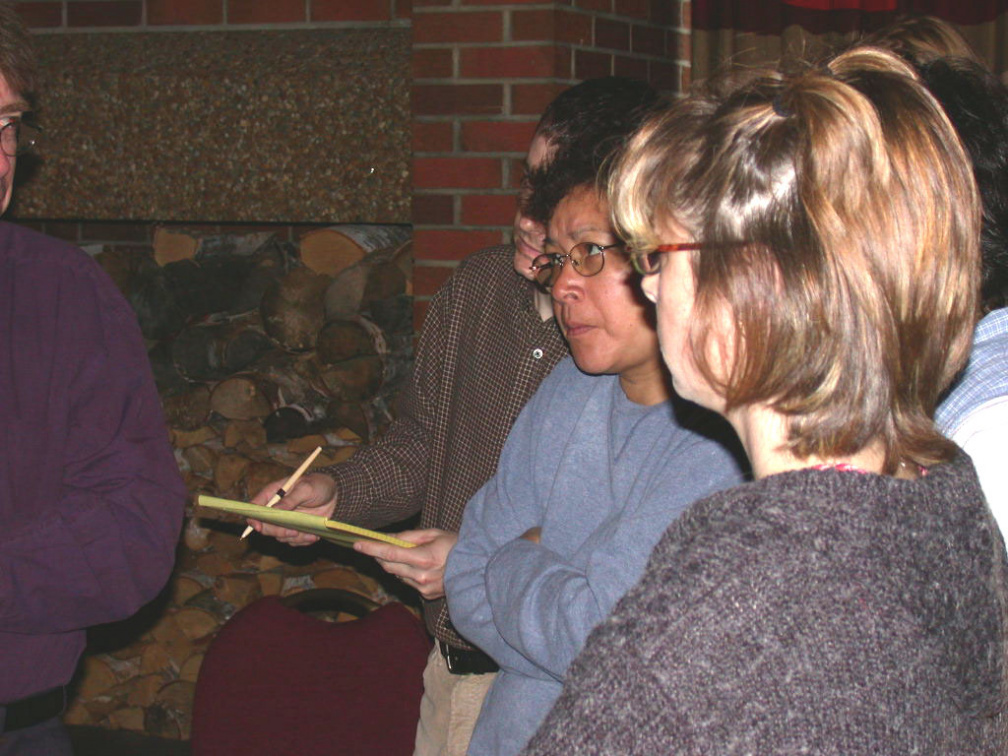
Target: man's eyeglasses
[17, 136]
[587, 258]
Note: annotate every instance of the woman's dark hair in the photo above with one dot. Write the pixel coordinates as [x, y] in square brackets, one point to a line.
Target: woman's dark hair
[976, 103]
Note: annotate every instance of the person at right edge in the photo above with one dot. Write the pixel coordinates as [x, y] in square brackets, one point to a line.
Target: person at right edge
[811, 241]
[974, 412]
[488, 341]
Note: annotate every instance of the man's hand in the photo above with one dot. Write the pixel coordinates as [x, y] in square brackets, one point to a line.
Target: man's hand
[421, 567]
[314, 494]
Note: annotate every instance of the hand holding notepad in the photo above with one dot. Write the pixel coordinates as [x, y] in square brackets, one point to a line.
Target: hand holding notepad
[288, 484]
[330, 530]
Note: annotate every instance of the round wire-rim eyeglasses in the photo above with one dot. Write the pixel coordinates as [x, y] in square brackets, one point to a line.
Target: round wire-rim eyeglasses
[587, 258]
[17, 136]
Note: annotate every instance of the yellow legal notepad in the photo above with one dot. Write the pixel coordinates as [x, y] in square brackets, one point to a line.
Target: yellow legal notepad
[330, 530]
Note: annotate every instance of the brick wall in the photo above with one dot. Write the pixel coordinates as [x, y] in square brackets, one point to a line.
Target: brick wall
[69, 15]
[483, 71]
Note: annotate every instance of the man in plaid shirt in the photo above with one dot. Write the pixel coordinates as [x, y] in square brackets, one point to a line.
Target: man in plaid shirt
[487, 342]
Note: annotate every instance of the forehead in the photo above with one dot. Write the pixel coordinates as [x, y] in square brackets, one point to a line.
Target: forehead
[582, 211]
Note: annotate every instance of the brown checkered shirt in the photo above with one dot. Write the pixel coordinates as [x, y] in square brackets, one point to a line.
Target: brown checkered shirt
[482, 353]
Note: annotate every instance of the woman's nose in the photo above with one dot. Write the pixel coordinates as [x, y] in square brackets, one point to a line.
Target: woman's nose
[568, 285]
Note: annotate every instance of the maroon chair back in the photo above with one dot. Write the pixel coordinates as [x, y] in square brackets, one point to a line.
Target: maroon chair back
[277, 681]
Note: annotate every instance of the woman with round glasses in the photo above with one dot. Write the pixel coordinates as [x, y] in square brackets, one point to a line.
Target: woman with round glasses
[811, 243]
[597, 465]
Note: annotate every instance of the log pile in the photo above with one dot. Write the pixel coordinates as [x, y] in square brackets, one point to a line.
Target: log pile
[262, 350]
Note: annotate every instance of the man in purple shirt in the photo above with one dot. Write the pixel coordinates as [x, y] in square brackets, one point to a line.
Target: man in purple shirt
[91, 500]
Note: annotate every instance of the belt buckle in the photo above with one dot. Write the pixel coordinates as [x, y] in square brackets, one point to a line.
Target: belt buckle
[446, 652]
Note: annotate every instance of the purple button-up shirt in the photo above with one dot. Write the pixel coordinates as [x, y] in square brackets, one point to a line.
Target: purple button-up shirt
[91, 500]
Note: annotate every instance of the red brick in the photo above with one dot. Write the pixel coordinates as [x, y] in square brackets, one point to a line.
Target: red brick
[40, 15]
[265, 11]
[351, 10]
[532, 25]
[184, 12]
[432, 64]
[508, 2]
[532, 99]
[427, 279]
[516, 172]
[634, 9]
[458, 99]
[649, 40]
[402, 9]
[487, 209]
[130, 232]
[614, 35]
[685, 80]
[456, 172]
[432, 137]
[451, 244]
[540, 61]
[433, 209]
[679, 46]
[599, 6]
[430, 4]
[117, 13]
[573, 27]
[664, 13]
[555, 25]
[666, 77]
[453, 26]
[497, 136]
[635, 68]
[590, 65]
[686, 13]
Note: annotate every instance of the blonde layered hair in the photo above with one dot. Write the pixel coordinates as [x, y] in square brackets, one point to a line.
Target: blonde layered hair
[921, 39]
[842, 225]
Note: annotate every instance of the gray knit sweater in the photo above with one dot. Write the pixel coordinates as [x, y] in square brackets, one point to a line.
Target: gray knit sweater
[812, 612]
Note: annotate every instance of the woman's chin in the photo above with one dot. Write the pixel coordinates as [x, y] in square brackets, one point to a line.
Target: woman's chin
[591, 363]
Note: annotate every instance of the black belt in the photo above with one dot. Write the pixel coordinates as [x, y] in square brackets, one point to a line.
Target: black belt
[463, 662]
[34, 709]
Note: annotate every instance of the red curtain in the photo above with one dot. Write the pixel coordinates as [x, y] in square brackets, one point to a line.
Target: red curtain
[841, 16]
[754, 32]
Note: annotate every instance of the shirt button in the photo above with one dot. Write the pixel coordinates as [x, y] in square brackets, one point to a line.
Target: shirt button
[537, 353]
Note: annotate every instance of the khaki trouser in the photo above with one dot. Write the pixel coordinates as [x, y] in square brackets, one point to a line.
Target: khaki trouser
[449, 708]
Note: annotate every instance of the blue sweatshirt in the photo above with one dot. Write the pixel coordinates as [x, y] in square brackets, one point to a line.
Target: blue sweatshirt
[603, 477]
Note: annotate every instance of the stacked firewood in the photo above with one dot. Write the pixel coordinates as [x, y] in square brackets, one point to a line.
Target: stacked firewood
[262, 350]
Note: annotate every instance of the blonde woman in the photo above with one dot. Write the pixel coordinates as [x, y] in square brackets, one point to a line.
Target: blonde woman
[811, 243]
